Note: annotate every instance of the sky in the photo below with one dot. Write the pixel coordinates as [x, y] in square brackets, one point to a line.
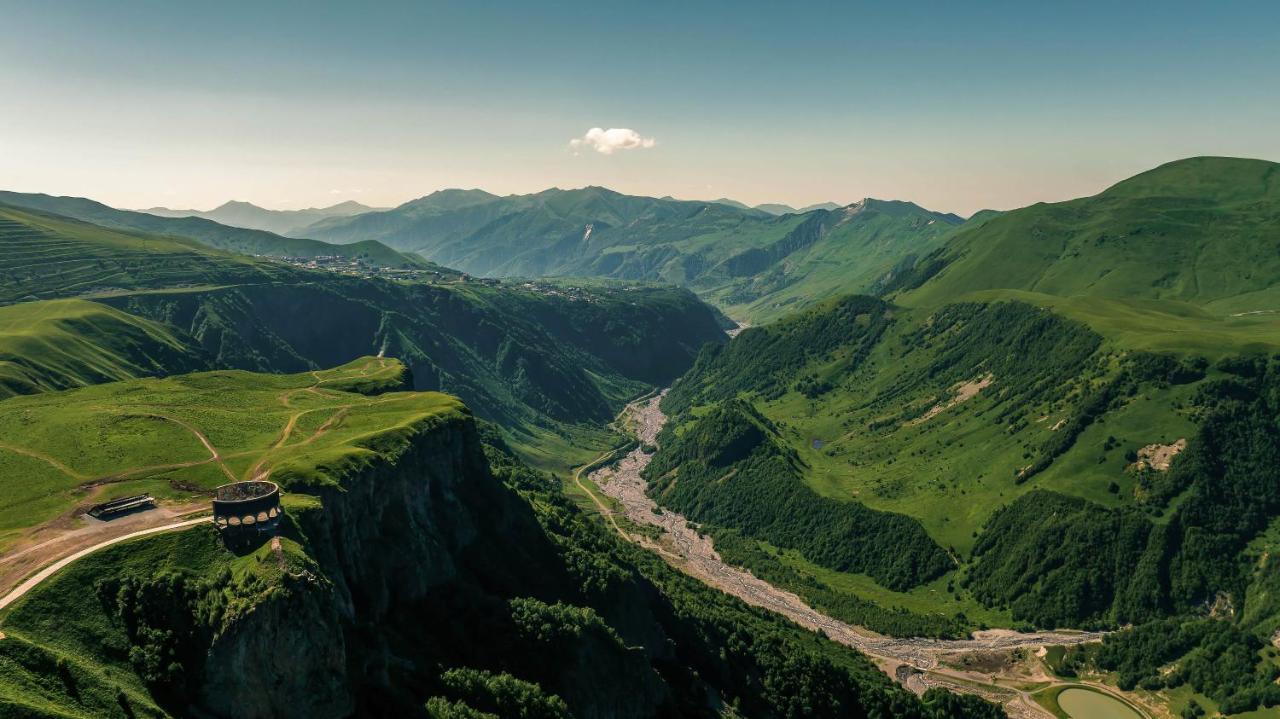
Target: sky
[955, 106]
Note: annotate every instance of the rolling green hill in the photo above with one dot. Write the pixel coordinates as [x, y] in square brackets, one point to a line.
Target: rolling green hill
[1201, 231]
[59, 344]
[1067, 397]
[209, 233]
[755, 265]
[47, 256]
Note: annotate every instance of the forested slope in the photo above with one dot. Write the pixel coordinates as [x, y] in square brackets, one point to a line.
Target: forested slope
[421, 571]
[1075, 400]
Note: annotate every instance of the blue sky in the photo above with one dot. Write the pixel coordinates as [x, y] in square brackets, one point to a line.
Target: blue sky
[957, 106]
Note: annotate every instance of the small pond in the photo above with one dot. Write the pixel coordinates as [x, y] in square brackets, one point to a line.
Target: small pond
[1087, 704]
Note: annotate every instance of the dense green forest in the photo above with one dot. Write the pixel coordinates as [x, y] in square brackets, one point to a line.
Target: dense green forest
[727, 468]
[766, 360]
[545, 614]
[1059, 560]
[1216, 658]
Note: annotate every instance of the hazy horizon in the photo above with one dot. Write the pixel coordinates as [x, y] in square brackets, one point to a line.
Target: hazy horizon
[955, 108]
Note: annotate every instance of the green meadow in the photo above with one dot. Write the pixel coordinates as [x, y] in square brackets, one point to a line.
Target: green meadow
[182, 436]
[61, 344]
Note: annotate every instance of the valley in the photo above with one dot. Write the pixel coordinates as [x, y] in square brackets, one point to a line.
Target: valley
[395, 361]
[916, 661]
[942, 489]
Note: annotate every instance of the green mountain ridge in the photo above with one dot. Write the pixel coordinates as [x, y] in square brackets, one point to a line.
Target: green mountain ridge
[1200, 231]
[281, 222]
[754, 265]
[209, 233]
[1010, 400]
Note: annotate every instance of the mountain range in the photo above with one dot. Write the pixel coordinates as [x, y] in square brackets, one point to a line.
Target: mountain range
[1060, 416]
[753, 264]
[414, 536]
[777, 208]
[211, 233]
[280, 222]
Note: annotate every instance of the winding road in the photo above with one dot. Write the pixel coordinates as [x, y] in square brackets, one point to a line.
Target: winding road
[52, 569]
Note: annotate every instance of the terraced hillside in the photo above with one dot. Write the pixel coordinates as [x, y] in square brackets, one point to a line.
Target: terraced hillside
[209, 233]
[1086, 431]
[46, 256]
[412, 540]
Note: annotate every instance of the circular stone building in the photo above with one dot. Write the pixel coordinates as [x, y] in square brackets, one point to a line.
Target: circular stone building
[247, 508]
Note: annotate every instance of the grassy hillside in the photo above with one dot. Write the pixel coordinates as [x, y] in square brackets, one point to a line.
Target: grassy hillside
[546, 365]
[860, 248]
[179, 437]
[543, 613]
[60, 344]
[757, 265]
[47, 256]
[1072, 399]
[209, 233]
[1201, 231]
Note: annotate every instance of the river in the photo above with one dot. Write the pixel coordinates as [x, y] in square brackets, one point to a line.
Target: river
[681, 544]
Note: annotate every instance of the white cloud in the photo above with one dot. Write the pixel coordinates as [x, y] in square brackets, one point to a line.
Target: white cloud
[607, 142]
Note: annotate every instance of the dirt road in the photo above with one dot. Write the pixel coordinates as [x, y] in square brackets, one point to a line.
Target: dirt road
[35, 579]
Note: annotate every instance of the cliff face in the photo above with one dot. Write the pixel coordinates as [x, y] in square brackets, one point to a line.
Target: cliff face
[514, 356]
[392, 530]
[286, 658]
[430, 569]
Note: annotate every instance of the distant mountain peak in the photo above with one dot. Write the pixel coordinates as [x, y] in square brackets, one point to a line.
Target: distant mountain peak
[776, 208]
[238, 205]
[349, 205]
[819, 206]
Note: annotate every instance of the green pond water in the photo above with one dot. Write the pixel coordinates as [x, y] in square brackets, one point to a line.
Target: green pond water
[1085, 704]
